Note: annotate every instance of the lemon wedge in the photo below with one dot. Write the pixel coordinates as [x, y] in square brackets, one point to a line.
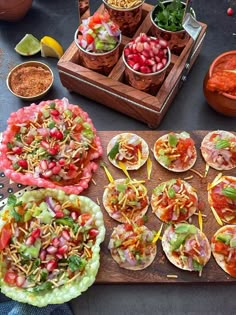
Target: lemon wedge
[50, 47]
[28, 45]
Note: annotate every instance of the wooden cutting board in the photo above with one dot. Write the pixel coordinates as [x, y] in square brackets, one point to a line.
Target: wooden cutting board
[161, 268]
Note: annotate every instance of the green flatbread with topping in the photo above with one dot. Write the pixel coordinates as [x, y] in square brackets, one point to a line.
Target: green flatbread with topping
[50, 245]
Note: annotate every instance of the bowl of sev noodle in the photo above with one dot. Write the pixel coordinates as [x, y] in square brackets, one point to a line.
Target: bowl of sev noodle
[125, 13]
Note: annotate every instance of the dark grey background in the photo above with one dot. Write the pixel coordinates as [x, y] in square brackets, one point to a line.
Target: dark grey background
[189, 110]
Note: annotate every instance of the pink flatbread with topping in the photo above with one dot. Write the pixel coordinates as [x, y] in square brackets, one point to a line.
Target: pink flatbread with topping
[52, 145]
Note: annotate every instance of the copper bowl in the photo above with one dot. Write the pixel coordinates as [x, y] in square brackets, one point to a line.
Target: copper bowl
[127, 19]
[29, 85]
[99, 62]
[223, 103]
[176, 40]
[150, 82]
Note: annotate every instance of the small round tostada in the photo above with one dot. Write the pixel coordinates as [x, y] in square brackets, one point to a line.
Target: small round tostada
[174, 201]
[126, 199]
[222, 197]
[223, 246]
[50, 245]
[128, 148]
[186, 247]
[132, 246]
[175, 151]
[51, 145]
[218, 149]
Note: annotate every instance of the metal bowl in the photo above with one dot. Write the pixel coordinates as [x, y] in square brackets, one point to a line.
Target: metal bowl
[19, 73]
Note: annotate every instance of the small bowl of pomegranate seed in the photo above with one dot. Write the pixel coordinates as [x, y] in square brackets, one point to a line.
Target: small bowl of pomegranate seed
[146, 60]
[125, 13]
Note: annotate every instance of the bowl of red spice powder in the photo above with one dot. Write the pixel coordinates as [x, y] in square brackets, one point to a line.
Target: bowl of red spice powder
[220, 84]
[30, 80]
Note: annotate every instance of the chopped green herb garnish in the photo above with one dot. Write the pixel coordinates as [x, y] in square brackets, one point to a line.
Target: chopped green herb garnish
[75, 262]
[171, 192]
[229, 192]
[222, 144]
[113, 152]
[172, 140]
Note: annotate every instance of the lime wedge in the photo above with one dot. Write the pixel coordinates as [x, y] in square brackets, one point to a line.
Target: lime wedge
[50, 47]
[28, 46]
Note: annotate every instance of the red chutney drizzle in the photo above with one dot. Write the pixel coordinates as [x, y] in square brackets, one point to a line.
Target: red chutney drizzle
[223, 81]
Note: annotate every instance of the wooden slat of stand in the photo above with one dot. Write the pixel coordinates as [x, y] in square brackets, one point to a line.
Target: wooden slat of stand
[113, 92]
[159, 270]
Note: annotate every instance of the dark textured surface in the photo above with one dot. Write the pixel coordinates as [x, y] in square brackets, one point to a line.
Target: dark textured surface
[188, 111]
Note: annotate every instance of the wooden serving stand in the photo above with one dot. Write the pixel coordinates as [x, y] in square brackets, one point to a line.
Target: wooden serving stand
[113, 91]
[161, 270]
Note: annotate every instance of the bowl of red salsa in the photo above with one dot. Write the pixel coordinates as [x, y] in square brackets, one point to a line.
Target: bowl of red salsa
[220, 84]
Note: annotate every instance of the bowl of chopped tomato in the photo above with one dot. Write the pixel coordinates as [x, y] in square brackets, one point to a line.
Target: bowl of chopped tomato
[30, 80]
[220, 84]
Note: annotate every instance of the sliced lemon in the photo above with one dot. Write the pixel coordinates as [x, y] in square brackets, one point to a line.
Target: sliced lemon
[28, 45]
[50, 47]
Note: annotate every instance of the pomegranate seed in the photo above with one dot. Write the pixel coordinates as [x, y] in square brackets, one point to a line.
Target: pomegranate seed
[56, 169]
[51, 249]
[139, 47]
[55, 133]
[157, 59]
[51, 164]
[54, 112]
[17, 150]
[36, 233]
[57, 207]
[146, 46]
[163, 43]
[42, 255]
[44, 165]
[55, 242]
[62, 241]
[230, 12]
[65, 234]
[62, 162]
[72, 167]
[155, 50]
[62, 250]
[59, 256]
[154, 68]
[51, 265]
[47, 174]
[53, 151]
[23, 163]
[159, 66]
[126, 52]
[20, 281]
[131, 63]
[164, 61]
[145, 53]
[150, 62]
[143, 37]
[74, 215]
[59, 214]
[30, 240]
[93, 233]
[145, 69]
[44, 144]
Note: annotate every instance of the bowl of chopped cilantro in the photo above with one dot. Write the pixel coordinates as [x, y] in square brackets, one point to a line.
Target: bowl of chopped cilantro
[166, 19]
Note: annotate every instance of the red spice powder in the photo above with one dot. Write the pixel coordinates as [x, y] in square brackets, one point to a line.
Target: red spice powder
[30, 81]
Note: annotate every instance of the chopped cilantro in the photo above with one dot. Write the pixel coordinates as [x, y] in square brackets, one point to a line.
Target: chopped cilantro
[76, 263]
